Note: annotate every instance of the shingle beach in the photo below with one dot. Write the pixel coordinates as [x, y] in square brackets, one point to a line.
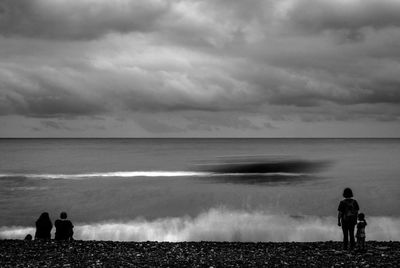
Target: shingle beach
[19, 253]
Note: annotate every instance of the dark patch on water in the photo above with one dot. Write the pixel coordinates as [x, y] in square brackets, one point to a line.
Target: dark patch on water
[265, 179]
[256, 170]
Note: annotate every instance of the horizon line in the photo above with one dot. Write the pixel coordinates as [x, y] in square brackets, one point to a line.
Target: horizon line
[199, 137]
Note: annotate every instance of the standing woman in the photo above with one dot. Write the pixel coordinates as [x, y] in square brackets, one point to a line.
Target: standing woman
[347, 217]
[43, 227]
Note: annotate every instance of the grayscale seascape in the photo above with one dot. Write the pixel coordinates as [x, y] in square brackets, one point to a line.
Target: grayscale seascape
[150, 189]
[199, 133]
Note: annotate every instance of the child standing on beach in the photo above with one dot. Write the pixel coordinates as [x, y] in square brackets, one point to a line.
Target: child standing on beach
[361, 231]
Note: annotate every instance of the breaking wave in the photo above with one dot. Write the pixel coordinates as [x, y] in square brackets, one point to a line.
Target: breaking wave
[219, 224]
[27, 188]
[133, 174]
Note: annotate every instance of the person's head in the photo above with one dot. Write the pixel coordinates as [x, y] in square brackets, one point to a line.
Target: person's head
[28, 237]
[44, 216]
[347, 193]
[361, 216]
[63, 215]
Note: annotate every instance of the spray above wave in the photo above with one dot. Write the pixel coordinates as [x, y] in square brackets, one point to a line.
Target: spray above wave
[133, 174]
[120, 174]
[27, 188]
[220, 167]
[219, 224]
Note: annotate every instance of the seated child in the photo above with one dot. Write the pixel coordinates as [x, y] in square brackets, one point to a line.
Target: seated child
[361, 231]
[28, 237]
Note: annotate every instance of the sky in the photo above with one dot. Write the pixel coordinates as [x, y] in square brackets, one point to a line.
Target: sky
[199, 68]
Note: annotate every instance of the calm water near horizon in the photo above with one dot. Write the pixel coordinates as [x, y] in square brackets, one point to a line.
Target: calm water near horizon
[152, 189]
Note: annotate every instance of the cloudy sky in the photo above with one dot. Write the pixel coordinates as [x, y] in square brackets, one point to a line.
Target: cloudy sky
[199, 68]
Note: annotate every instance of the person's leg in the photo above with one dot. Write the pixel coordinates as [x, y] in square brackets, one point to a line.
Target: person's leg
[363, 243]
[345, 235]
[351, 233]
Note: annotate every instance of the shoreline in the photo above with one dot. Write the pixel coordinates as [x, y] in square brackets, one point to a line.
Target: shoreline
[79, 253]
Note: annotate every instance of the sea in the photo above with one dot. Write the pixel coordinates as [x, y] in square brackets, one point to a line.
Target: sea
[183, 189]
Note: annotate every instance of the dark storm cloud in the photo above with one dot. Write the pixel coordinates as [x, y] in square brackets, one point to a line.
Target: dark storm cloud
[205, 121]
[320, 15]
[51, 105]
[29, 94]
[223, 64]
[155, 126]
[330, 112]
[371, 93]
[84, 19]
[55, 125]
[269, 125]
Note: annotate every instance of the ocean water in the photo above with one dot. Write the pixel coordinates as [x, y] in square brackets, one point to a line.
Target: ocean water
[158, 189]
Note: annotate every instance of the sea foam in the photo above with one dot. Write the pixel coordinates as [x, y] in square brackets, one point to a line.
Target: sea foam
[220, 224]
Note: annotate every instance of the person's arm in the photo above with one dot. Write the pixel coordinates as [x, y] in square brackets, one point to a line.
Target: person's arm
[356, 205]
[71, 231]
[339, 216]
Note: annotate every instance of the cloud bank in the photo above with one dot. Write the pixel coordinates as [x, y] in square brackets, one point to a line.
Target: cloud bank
[85, 19]
[201, 66]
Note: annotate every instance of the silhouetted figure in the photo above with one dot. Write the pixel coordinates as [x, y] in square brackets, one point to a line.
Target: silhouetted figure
[64, 228]
[361, 231]
[28, 237]
[347, 217]
[43, 227]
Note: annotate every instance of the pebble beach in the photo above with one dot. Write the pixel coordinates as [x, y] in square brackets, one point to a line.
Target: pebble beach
[19, 253]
